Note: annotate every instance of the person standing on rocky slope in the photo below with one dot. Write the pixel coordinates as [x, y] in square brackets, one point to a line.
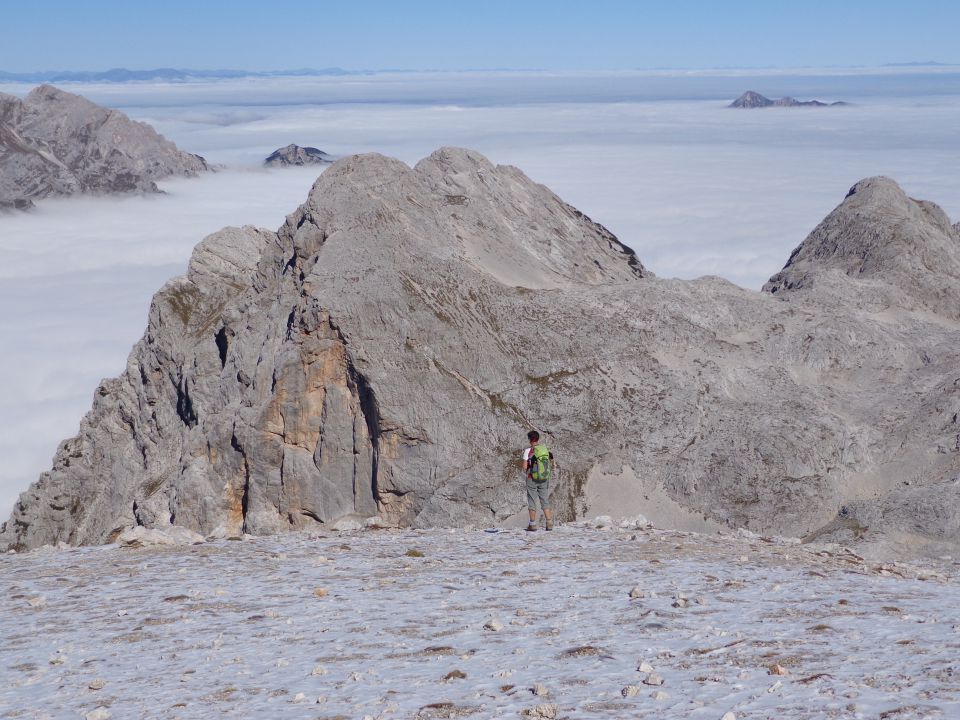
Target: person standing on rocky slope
[538, 469]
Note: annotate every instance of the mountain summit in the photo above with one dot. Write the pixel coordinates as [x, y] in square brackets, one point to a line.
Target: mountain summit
[878, 233]
[751, 99]
[296, 155]
[55, 143]
[386, 350]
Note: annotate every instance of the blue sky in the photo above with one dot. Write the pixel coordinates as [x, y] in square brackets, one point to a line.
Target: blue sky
[455, 35]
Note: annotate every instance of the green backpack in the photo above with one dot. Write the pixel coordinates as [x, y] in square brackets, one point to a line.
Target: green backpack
[540, 467]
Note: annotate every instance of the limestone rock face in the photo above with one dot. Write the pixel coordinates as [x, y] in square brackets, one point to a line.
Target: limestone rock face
[907, 247]
[56, 143]
[385, 352]
[296, 155]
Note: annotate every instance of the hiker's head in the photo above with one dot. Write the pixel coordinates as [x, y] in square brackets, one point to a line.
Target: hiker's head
[533, 436]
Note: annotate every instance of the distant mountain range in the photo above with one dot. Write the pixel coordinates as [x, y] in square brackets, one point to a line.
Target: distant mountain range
[166, 74]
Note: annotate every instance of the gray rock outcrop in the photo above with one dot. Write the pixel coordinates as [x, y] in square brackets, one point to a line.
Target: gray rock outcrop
[386, 350]
[751, 99]
[56, 143]
[879, 234]
[296, 156]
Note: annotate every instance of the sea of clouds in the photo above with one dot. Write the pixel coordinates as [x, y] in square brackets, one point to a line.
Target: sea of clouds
[694, 187]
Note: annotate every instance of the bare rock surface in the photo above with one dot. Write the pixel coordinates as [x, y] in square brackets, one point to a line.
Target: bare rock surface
[905, 250]
[56, 143]
[385, 351]
[234, 630]
[296, 155]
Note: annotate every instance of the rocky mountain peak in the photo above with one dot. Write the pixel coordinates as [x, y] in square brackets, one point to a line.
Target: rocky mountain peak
[295, 155]
[57, 143]
[751, 99]
[878, 232]
[451, 207]
[51, 93]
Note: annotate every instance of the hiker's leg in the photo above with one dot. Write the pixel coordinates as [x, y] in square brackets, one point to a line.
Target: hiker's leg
[532, 500]
[545, 502]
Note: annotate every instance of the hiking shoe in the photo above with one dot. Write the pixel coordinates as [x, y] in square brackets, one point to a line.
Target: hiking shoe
[549, 524]
[531, 528]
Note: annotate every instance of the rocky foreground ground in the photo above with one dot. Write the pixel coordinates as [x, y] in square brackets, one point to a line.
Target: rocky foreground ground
[578, 623]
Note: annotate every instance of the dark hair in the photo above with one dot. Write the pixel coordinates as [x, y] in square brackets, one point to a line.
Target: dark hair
[533, 435]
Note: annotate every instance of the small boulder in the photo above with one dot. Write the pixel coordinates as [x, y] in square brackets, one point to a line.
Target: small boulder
[348, 523]
[542, 712]
[635, 523]
[140, 536]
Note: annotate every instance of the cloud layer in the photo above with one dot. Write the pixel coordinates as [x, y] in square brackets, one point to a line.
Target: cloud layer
[694, 187]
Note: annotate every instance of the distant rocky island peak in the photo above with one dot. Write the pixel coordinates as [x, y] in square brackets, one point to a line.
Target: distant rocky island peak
[751, 99]
[296, 155]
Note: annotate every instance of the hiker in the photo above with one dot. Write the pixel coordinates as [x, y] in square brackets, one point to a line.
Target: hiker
[538, 468]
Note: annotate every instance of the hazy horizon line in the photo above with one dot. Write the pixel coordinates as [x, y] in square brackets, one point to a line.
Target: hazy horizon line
[125, 74]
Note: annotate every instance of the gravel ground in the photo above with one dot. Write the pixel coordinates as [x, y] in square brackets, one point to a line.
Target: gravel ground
[578, 623]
